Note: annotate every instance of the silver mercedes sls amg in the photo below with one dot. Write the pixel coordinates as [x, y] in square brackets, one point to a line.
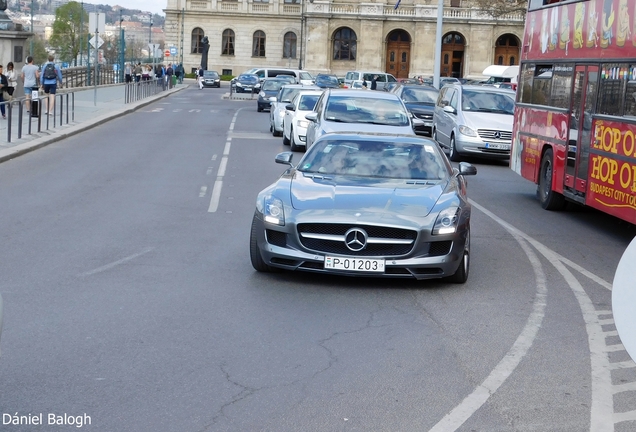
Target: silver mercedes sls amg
[366, 205]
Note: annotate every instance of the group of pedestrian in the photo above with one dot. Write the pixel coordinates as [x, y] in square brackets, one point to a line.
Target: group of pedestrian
[138, 72]
[33, 78]
[374, 83]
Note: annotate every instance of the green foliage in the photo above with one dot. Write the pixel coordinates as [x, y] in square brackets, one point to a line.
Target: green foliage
[71, 21]
[227, 77]
[39, 49]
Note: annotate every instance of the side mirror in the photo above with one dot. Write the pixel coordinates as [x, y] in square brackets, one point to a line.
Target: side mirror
[312, 116]
[450, 109]
[272, 99]
[290, 107]
[284, 158]
[467, 169]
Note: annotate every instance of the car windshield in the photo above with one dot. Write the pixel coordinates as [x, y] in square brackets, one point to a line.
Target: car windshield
[288, 78]
[377, 159]
[327, 81]
[420, 95]
[248, 78]
[484, 101]
[306, 76]
[288, 94]
[307, 102]
[272, 85]
[351, 109]
[210, 74]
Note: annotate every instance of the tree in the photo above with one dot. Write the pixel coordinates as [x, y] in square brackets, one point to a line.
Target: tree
[67, 30]
[500, 8]
[39, 53]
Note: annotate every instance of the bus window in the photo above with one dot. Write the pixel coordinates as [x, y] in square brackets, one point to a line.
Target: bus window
[561, 86]
[612, 88]
[541, 85]
[525, 85]
[630, 93]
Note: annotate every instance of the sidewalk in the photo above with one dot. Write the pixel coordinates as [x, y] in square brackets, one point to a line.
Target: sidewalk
[110, 104]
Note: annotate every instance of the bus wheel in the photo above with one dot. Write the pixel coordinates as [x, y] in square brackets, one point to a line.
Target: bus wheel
[550, 200]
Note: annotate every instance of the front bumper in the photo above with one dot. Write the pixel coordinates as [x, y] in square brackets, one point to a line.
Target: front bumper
[279, 247]
[475, 146]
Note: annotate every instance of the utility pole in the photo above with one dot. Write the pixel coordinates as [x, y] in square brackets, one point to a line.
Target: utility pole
[33, 35]
[81, 29]
[150, 47]
[182, 35]
[122, 49]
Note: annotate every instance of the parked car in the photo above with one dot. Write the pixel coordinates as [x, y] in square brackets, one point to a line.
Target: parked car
[340, 110]
[408, 80]
[277, 110]
[294, 121]
[474, 121]
[374, 205]
[327, 81]
[247, 83]
[211, 79]
[383, 78]
[300, 77]
[420, 101]
[269, 88]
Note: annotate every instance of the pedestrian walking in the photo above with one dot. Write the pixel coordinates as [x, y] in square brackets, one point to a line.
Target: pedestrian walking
[4, 84]
[181, 73]
[12, 77]
[50, 75]
[128, 70]
[137, 71]
[200, 77]
[374, 82]
[30, 75]
[169, 73]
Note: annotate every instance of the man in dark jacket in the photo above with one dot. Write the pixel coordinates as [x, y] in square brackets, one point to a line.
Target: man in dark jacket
[169, 73]
[374, 82]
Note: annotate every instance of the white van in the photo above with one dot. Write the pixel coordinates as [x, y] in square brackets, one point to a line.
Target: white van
[302, 77]
[383, 78]
[498, 74]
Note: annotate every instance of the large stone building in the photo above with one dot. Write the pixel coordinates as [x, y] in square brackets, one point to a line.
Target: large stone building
[343, 35]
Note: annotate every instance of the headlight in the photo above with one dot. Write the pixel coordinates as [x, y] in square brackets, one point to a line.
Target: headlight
[467, 131]
[273, 210]
[238, 84]
[281, 113]
[303, 123]
[262, 94]
[447, 220]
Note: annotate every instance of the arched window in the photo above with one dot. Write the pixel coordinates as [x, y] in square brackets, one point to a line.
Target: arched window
[197, 35]
[512, 61]
[258, 44]
[345, 44]
[500, 60]
[227, 47]
[453, 38]
[289, 45]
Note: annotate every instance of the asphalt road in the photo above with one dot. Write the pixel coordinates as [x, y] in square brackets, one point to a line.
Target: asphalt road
[130, 298]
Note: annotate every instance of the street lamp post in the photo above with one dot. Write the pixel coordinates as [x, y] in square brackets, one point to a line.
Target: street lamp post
[33, 35]
[303, 23]
[122, 48]
[150, 47]
[80, 33]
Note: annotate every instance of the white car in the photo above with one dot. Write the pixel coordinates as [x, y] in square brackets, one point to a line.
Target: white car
[294, 122]
[277, 105]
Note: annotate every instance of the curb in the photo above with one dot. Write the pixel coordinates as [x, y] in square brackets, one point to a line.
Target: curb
[22, 149]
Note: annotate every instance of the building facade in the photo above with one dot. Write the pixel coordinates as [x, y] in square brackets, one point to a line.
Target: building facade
[339, 36]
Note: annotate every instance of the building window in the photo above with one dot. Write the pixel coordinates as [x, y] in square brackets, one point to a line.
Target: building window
[345, 44]
[292, 1]
[258, 44]
[228, 42]
[289, 45]
[197, 35]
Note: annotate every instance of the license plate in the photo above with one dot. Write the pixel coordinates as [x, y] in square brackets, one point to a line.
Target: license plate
[498, 146]
[354, 264]
[428, 124]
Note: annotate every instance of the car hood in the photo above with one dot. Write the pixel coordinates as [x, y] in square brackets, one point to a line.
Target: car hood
[420, 107]
[328, 193]
[481, 120]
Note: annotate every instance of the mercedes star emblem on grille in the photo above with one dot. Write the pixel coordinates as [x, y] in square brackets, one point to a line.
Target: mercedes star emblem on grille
[497, 135]
[356, 239]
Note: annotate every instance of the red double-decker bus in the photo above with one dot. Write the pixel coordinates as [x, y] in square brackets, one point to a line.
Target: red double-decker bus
[575, 118]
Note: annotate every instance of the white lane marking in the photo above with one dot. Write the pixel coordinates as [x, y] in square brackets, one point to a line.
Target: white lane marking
[462, 412]
[203, 191]
[116, 263]
[216, 195]
[584, 272]
[218, 185]
[214, 157]
[602, 406]
[195, 110]
[209, 171]
[177, 110]
[156, 110]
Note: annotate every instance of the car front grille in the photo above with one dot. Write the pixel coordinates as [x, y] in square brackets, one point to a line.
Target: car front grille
[276, 238]
[498, 135]
[424, 116]
[382, 241]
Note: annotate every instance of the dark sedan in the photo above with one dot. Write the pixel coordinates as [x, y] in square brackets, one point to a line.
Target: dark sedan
[327, 81]
[376, 205]
[420, 101]
[211, 79]
[269, 88]
[247, 83]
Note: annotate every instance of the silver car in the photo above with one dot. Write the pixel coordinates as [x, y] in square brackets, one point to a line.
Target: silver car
[294, 122]
[347, 110]
[474, 121]
[278, 103]
[375, 205]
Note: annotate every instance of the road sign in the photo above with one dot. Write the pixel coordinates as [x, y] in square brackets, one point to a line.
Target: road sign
[624, 299]
[173, 51]
[153, 47]
[96, 43]
[167, 53]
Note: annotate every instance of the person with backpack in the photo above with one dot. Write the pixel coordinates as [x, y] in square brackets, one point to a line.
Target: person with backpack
[49, 77]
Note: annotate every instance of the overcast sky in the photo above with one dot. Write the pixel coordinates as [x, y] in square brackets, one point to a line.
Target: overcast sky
[154, 6]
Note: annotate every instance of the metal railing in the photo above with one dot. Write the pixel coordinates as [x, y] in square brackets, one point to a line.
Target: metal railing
[63, 113]
[135, 91]
[82, 76]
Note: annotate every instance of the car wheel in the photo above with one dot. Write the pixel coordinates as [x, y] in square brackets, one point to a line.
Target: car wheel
[461, 275]
[271, 128]
[259, 108]
[294, 147]
[550, 200]
[276, 133]
[255, 253]
[453, 155]
[285, 139]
